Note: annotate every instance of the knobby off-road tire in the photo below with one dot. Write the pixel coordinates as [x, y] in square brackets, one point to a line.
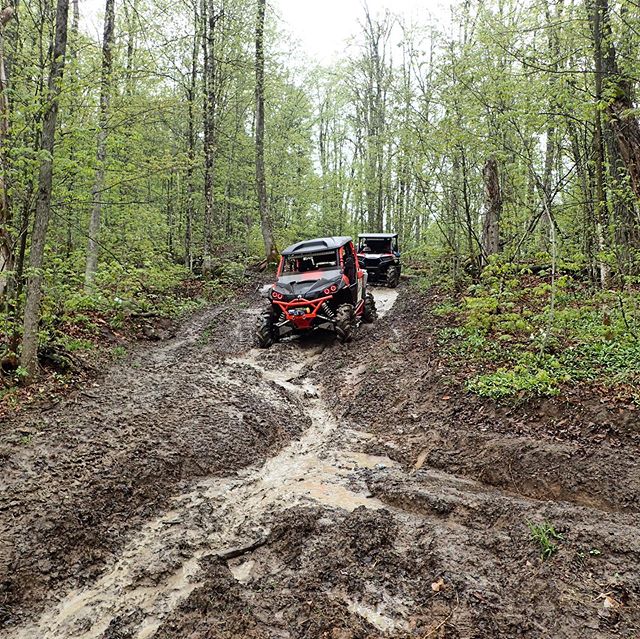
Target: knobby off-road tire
[345, 323]
[265, 333]
[370, 314]
[393, 276]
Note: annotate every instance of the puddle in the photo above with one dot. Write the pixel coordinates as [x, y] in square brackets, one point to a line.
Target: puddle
[375, 618]
[363, 460]
[87, 614]
[159, 567]
[385, 299]
[422, 458]
[379, 615]
[286, 378]
[242, 572]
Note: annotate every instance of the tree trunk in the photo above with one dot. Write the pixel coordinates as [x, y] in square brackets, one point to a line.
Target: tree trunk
[493, 209]
[29, 356]
[474, 260]
[73, 79]
[101, 155]
[261, 184]
[586, 186]
[627, 135]
[598, 143]
[617, 132]
[210, 19]
[131, 16]
[170, 212]
[191, 143]
[620, 110]
[552, 152]
[6, 244]
[75, 25]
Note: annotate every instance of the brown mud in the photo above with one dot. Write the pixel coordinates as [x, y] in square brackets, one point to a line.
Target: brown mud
[205, 489]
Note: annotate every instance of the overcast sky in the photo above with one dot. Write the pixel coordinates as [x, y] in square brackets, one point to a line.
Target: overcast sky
[323, 26]
[320, 26]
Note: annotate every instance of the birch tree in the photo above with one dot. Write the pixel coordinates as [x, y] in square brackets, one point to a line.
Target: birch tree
[101, 153]
[261, 183]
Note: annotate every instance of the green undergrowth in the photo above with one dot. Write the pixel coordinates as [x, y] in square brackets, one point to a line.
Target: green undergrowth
[75, 321]
[511, 343]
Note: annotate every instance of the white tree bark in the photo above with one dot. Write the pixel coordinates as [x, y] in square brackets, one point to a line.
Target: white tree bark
[101, 155]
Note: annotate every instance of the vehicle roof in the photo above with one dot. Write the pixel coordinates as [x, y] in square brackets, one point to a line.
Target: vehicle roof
[317, 245]
[378, 235]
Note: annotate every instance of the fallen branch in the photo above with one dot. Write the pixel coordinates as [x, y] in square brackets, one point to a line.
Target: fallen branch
[626, 321]
[444, 622]
[232, 553]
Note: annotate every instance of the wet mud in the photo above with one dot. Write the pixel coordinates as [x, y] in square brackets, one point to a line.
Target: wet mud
[207, 489]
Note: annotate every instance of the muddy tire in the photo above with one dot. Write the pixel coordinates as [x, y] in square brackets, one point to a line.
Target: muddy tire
[370, 314]
[345, 323]
[266, 333]
[393, 276]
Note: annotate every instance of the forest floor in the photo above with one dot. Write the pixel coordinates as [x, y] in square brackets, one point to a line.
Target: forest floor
[202, 488]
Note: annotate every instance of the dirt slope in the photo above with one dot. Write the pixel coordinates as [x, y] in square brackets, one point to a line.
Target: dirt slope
[205, 489]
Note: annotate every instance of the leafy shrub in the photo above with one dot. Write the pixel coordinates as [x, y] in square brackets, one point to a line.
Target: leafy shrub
[505, 324]
[521, 380]
[480, 312]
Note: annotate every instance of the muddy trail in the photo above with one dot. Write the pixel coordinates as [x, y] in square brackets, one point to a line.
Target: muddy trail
[206, 489]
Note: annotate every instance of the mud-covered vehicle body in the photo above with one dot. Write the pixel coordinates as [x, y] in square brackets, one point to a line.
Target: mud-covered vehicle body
[319, 285]
[378, 254]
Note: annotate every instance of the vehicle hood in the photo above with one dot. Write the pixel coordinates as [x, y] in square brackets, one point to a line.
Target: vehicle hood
[307, 285]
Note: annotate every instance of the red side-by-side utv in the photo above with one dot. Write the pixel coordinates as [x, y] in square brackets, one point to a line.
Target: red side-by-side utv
[320, 285]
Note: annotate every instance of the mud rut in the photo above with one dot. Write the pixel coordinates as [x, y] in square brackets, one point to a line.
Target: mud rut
[405, 527]
[319, 467]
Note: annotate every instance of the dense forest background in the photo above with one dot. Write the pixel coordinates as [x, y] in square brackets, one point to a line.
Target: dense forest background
[507, 140]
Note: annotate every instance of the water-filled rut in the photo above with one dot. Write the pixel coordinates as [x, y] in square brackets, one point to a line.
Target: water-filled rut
[159, 566]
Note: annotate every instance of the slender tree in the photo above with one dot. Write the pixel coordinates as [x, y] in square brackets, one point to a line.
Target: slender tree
[191, 142]
[29, 356]
[601, 221]
[210, 17]
[101, 152]
[6, 244]
[261, 183]
[493, 209]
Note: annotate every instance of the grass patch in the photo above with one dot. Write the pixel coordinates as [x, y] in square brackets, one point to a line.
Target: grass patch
[118, 353]
[503, 333]
[545, 537]
[518, 381]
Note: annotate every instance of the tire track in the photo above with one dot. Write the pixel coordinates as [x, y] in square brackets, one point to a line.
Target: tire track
[159, 566]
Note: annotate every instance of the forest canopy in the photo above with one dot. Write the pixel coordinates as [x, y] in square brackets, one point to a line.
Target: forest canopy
[191, 141]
